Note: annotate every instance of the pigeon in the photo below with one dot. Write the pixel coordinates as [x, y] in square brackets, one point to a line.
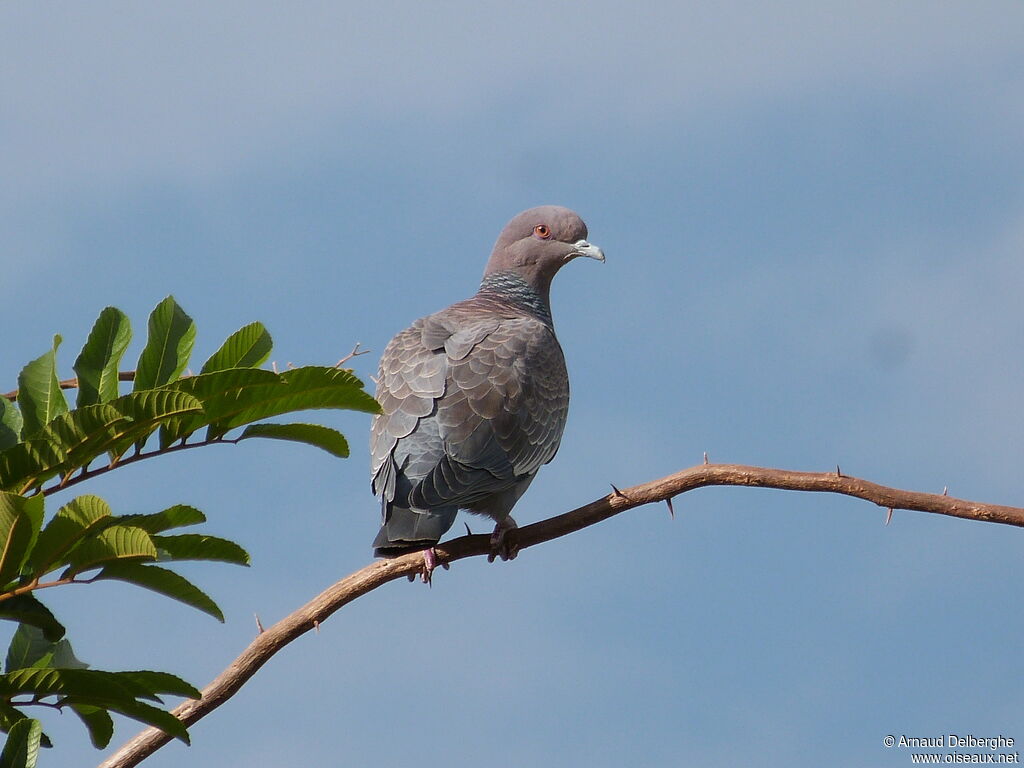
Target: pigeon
[474, 398]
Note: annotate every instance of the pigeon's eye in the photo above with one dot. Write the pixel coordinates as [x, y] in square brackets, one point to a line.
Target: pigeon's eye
[543, 231]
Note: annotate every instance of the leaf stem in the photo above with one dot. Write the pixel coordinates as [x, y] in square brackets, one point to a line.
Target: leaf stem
[87, 474]
[35, 584]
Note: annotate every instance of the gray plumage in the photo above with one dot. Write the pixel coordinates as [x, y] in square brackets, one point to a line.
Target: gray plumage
[475, 396]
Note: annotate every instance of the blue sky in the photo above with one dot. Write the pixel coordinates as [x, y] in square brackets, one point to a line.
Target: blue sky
[814, 221]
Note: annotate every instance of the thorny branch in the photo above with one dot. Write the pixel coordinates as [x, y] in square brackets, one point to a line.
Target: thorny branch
[380, 572]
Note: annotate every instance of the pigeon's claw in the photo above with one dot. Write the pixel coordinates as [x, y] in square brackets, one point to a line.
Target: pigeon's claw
[504, 541]
[429, 564]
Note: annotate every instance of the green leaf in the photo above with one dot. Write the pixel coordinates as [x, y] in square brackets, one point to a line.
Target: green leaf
[74, 439]
[17, 531]
[10, 716]
[168, 346]
[64, 657]
[14, 534]
[159, 682]
[26, 609]
[206, 387]
[10, 423]
[165, 582]
[98, 721]
[336, 387]
[116, 543]
[20, 520]
[247, 347]
[30, 648]
[47, 452]
[113, 691]
[98, 363]
[178, 516]
[331, 440]
[39, 394]
[197, 546]
[149, 409]
[22, 747]
[72, 523]
[48, 681]
[32, 508]
[95, 686]
[295, 390]
[150, 715]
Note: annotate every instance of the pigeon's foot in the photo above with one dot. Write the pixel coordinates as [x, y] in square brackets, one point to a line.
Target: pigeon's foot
[504, 541]
[429, 564]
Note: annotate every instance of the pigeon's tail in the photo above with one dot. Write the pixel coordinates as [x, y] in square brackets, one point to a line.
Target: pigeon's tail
[407, 530]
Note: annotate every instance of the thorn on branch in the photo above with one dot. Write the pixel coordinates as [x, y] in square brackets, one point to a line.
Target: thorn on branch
[259, 624]
[468, 532]
[671, 511]
[706, 458]
[839, 472]
[316, 626]
[888, 517]
[945, 490]
[617, 492]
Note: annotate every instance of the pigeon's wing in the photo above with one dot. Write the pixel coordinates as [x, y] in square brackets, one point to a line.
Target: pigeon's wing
[410, 380]
[503, 410]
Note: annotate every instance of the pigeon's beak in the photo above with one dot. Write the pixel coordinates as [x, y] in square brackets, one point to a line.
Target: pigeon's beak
[583, 248]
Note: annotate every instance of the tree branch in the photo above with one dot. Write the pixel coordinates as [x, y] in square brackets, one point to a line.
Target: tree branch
[315, 612]
[72, 383]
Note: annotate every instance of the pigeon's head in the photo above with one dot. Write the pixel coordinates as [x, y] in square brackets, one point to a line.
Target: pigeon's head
[537, 242]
